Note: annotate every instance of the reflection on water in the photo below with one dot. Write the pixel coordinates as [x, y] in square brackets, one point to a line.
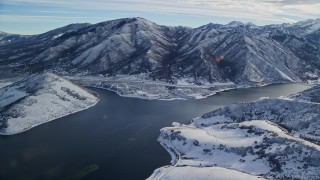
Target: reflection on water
[116, 139]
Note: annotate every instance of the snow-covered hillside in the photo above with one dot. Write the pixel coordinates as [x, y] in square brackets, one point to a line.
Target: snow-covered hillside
[273, 138]
[39, 99]
[238, 53]
[299, 114]
[310, 95]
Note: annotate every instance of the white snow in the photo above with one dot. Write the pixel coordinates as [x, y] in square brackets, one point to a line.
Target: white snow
[139, 86]
[203, 173]
[235, 146]
[3, 84]
[57, 36]
[310, 25]
[40, 99]
[245, 137]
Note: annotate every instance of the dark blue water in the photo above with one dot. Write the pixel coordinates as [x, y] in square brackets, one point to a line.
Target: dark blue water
[116, 139]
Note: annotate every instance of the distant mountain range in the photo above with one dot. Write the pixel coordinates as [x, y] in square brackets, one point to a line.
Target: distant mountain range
[236, 52]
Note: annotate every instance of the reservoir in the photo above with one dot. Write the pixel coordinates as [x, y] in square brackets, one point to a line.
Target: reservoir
[116, 139]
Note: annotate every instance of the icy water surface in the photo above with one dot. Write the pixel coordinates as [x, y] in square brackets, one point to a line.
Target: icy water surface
[116, 139]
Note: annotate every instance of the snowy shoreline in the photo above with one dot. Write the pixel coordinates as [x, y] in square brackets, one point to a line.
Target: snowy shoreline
[190, 98]
[134, 88]
[272, 137]
[155, 90]
[39, 99]
[56, 118]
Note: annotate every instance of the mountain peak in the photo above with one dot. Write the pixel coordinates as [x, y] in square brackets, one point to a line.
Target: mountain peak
[251, 24]
[211, 26]
[309, 26]
[140, 20]
[117, 23]
[235, 23]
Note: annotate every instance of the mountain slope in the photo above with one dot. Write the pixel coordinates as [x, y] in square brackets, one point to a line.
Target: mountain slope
[302, 38]
[40, 99]
[237, 52]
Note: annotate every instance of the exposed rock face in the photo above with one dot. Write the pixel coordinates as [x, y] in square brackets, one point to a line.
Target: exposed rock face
[40, 99]
[237, 52]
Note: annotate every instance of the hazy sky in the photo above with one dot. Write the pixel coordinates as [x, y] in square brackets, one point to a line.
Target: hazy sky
[37, 16]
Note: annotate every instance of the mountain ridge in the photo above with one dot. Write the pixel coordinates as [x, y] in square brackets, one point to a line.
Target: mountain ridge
[240, 53]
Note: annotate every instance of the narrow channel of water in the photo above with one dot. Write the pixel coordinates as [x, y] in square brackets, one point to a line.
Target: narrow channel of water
[116, 139]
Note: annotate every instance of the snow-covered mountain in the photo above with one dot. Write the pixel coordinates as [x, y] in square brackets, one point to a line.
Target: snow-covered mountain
[273, 138]
[236, 52]
[3, 34]
[7, 38]
[39, 99]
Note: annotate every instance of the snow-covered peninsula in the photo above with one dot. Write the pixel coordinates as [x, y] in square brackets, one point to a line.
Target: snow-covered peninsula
[270, 138]
[39, 99]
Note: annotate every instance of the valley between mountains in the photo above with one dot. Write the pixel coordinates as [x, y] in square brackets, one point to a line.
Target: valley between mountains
[48, 76]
